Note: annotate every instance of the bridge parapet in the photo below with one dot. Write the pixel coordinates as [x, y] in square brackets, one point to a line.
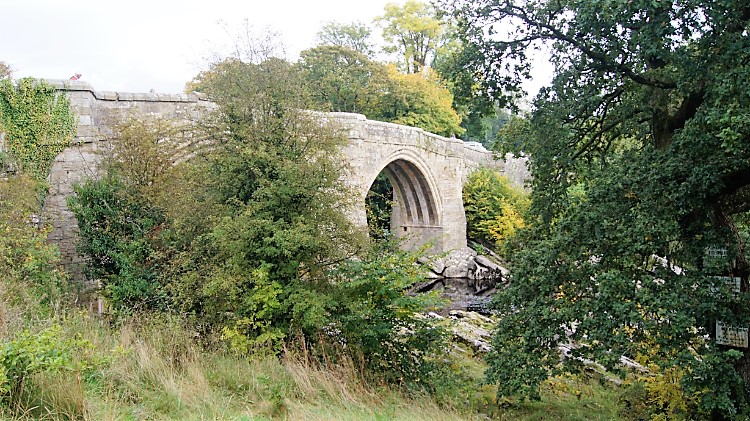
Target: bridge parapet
[98, 111]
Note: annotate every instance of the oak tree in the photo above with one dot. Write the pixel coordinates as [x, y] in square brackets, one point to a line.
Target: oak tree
[641, 163]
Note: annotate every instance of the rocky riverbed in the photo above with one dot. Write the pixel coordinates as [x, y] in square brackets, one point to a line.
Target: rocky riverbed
[467, 280]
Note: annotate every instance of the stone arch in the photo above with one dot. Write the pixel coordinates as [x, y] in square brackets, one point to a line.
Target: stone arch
[417, 210]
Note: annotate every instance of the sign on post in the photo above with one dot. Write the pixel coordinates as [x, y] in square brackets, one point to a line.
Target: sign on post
[731, 335]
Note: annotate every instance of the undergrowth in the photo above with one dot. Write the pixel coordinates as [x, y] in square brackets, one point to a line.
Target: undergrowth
[152, 367]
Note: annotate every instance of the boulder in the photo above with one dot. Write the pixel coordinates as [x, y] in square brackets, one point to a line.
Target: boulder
[461, 270]
[436, 266]
[486, 262]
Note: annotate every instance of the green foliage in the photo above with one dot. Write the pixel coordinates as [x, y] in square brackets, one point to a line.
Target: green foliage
[480, 113]
[38, 125]
[343, 79]
[419, 100]
[29, 265]
[143, 151]
[376, 317]
[126, 217]
[340, 79]
[413, 31]
[658, 397]
[35, 125]
[494, 209]
[512, 136]
[275, 174]
[340, 75]
[379, 207]
[118, 230]
[640, 157]
[30, 353]
[354, 36]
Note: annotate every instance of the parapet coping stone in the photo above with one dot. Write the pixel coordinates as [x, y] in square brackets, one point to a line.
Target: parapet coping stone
[78, 85]
[342, 117]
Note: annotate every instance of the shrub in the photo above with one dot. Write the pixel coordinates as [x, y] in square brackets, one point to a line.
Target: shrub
[659, 395]
[30, 353]
[380, 323]
[118, 229]
[29, 265]
[494, 208]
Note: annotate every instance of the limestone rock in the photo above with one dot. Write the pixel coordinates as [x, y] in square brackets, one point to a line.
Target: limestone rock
[461, 270]
[438, 267]
[472, 329]
[486, 262]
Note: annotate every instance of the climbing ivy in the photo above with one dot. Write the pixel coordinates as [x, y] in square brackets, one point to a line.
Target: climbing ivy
[36, 123]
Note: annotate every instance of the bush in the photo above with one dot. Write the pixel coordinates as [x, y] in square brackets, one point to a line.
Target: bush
[29, 265]
[30, 353]
[118, 229]
[494, 208]
[659, 395]
[380, 324]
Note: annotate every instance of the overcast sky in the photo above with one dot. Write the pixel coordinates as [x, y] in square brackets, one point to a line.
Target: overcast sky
[138, 45]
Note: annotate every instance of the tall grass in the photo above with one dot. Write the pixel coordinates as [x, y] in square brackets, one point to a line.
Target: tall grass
[153, 368]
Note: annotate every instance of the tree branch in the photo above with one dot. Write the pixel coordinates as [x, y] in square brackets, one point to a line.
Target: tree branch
[556, 34]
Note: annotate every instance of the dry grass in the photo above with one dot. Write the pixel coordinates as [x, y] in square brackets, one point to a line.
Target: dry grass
[152, 369]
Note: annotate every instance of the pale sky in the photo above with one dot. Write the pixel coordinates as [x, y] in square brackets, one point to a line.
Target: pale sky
[138, 45]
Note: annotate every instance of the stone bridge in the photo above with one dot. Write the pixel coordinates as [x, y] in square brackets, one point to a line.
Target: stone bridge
[426, 171]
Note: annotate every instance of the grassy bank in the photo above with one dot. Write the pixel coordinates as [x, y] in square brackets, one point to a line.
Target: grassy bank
[155, 369]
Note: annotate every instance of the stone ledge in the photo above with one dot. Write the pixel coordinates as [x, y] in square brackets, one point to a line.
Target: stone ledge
[81, 86]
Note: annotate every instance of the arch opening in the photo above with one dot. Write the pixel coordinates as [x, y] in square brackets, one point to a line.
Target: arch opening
[402, 203]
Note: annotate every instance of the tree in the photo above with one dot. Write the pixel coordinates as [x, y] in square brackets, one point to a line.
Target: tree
[275, 175]
[413, 32]
[420, 100]
[473, 103]
[342, 79]
[355, 36]
[641, 161]
[494, 208]
[122, 216]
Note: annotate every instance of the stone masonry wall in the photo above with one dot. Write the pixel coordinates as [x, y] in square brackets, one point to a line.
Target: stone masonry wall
[97, 112]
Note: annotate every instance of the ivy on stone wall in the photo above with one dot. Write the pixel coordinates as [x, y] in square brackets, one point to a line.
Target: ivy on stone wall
[36, 124]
